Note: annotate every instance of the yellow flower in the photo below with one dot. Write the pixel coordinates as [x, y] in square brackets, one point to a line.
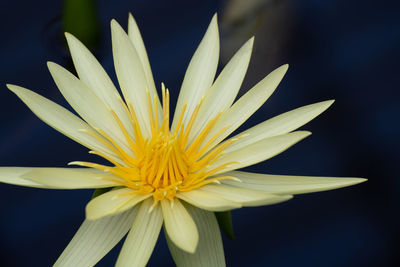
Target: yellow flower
[176, 174]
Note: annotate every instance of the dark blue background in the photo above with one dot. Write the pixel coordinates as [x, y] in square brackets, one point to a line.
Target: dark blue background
[346, 50]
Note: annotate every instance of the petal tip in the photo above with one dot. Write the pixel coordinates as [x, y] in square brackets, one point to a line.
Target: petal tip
[192, 249]
[53, 67]
[345, 182]
[329, 102]
[252, 39]
[279, 72]
[214, 23]
[89, 212]
[51, 64]
[12, 87]
[288, 197]
[249, 44]
[116, 28]
[214, 17]
[131, 18]
[114, 23]
[70, 38]
[68, 35]
[358, 181]
[16, 89]
[303, 134]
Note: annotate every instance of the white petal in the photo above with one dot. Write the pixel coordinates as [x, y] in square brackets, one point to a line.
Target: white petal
[285, 184]
[136, 38]
[95, 239]
[210, 251]
[69, 178]
[93, 75]
[131, 76]
[87, 104]
[179, 225]
[199, 74]
[247, 197]
[225, 88]
[142, 237]
[208, 200]
[13, 175]
[281, 124]
[112, 202]
[61, 119]
[242, 109]
[259, 151]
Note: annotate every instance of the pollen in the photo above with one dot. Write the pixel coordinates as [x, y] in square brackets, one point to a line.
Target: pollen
[166, 162]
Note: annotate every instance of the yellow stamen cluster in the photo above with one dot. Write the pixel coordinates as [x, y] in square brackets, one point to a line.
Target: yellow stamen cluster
[166, 162]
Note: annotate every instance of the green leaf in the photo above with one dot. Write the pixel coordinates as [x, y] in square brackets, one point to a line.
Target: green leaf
[224, 219]
[100, 191]
[80, 18]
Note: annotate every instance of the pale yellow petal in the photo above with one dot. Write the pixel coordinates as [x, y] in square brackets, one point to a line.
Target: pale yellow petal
[94, 76]
[281, 124]
[70, 178]
[136, 38]
[179, 225]
[112, 202]
[61, 119]
[210, 251]
[95, 239]
[87, 104]
[242, 109]
[208, 200]
[259, 151]
[13, 175]
[247, 197]
[142, 237]
[224, 90]
[131, 77]
[286, 184]
[200, 73]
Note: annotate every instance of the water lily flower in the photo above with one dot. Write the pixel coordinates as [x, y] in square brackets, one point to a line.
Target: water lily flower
[174, 174]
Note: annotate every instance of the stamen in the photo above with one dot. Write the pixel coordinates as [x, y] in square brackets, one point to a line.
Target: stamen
[203, 134]
[205, 182]
[213, 155]
[120, 150]
[150, 108]
[191, 121]
[136, 126]
[152, 206]
[208, 146]
[166, 162]
[99, 138]
[179, 125]
[105, 157]
[126, 135]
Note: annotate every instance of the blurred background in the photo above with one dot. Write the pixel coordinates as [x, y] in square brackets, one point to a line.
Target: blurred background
[343, 50]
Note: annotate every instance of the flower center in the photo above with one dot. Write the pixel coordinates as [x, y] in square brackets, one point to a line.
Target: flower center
[164, 166]
[165, 163]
